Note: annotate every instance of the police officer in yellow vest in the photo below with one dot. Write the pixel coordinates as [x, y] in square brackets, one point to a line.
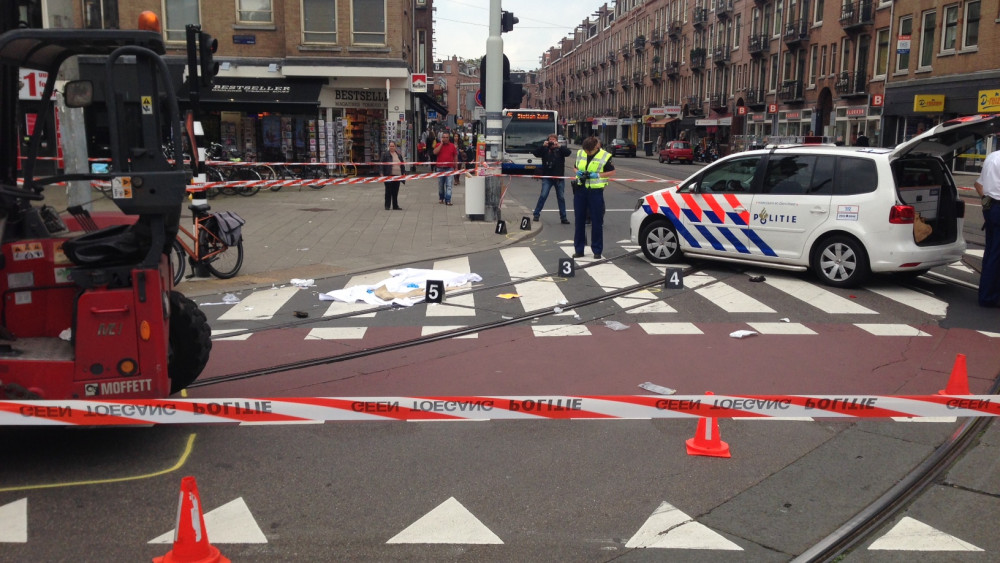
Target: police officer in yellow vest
[593, 168]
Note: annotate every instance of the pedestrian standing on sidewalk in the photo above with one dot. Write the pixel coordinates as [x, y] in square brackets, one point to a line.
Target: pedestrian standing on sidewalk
[392, 165]
[593, 168]
[988, 188]
[446, 160]
[553, 157]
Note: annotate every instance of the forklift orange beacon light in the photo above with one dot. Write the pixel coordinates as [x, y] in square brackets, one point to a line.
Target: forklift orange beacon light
[149, 21]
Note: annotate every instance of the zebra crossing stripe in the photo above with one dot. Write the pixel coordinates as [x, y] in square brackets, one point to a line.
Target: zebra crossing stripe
[538, 294]
[890, 329]
[261, 304]
[822, 299]
[729, 298]
[916, 299]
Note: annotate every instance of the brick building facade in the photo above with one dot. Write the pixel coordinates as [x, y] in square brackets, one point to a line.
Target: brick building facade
[300, 80]
[743, 70]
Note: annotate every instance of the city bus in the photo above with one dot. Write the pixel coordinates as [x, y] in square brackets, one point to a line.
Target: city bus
[526, 132]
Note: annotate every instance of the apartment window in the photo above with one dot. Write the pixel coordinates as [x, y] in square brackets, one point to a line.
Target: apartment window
[927, 22]
[739, 29]
[368, 22]
[818, 12]
[822, 61]
[777, 18]
[421, 51]
[950, 31]
[833, 59]
[774, 73]
[813, 64]
[905, 29]
[845, 55]
[970, 34]
[319, 21]
[255, 11]
[882, 52]
[179, 13]
[102, 14]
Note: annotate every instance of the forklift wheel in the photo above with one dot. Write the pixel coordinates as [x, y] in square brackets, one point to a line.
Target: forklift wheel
[190, 342]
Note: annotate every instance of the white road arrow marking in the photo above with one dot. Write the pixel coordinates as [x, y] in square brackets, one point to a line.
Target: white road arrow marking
[230, 523]
[670, 528]
[914, 535]
[14, 522]
[450, 522]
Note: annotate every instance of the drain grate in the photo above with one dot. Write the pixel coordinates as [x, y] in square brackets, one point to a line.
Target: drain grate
[315, 209]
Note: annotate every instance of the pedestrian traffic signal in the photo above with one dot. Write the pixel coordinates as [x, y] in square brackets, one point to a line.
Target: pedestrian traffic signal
[507, 21]
[207, 46]
[482, 76]
[512, 95]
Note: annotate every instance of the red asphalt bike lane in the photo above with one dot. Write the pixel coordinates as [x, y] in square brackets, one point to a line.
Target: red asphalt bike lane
[841, 359]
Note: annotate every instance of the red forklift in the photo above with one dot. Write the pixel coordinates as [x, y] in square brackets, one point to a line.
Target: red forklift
[94, 314]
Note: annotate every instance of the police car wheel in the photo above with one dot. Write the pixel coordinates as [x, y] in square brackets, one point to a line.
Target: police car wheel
[840, 261]
[659, 242]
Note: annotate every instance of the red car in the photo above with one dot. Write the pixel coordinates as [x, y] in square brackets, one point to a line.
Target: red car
[677, 150]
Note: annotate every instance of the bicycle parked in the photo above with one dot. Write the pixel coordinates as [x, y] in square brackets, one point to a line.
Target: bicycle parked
[214, 244]
[235, 172]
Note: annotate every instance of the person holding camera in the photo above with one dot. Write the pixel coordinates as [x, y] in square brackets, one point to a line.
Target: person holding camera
[553, 157]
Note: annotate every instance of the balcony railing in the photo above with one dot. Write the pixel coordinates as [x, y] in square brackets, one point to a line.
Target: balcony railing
[655, 73]
[610, 85]
[639, 44]
[637, 78]
[656, 37]
[673, 68]
[675, 29]
[627, 51]
[722, 55]
[700, 17]
[612, 57]
[694, 105]
[755, 97]
[697, 62]
[757, 45]
[856, 15]
[723, 9]
[719, 102]
[790, 91]
[852, 84]
[796, 31]
[625, 82]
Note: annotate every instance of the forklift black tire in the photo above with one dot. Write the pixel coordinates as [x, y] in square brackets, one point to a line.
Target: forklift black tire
[190, 342]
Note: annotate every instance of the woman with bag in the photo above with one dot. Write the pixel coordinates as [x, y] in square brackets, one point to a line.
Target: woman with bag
[392, 165]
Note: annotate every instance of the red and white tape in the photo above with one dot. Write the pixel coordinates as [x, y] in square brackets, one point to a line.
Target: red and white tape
[289, 410]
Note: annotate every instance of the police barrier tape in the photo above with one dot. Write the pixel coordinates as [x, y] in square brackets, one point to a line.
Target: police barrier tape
[290, 410]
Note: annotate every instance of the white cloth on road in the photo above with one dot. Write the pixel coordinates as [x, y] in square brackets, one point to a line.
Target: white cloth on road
[404, 288]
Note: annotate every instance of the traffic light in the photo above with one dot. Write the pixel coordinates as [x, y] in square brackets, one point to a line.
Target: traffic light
[207, 46]
[482, 76]
[507, 21]
[512, 95]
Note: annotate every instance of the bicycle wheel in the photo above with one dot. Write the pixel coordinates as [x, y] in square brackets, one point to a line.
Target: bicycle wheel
[178, 261]
[213, 175]
[228, 259]
[248, 174]
[268, 174]
[319, 173]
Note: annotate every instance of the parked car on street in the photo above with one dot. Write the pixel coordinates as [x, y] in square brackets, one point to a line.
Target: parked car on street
[842, 212]
[621, 147]
[677, 150]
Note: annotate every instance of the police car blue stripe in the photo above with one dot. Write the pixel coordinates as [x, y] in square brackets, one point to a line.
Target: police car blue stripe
[735, 217]
[691, 216]
[755, 238]
[708, 236]
[669, 214]
[734, 240]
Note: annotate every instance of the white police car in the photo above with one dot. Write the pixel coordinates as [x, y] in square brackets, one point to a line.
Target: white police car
[843, 212]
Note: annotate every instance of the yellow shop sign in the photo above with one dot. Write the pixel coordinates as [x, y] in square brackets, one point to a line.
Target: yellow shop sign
[933, 103]
[988, 101]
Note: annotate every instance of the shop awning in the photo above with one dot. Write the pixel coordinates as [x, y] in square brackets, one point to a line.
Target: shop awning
[663, 122]
[433, 104]
[262, 91]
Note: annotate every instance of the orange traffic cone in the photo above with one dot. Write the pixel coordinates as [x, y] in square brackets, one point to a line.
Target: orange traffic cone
[190, 537]
[707, 440]
[958, 383]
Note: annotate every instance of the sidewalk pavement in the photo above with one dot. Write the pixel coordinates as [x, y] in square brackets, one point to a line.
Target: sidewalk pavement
[310, 233]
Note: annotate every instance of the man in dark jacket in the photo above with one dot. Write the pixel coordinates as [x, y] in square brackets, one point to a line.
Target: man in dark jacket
[553, 157]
